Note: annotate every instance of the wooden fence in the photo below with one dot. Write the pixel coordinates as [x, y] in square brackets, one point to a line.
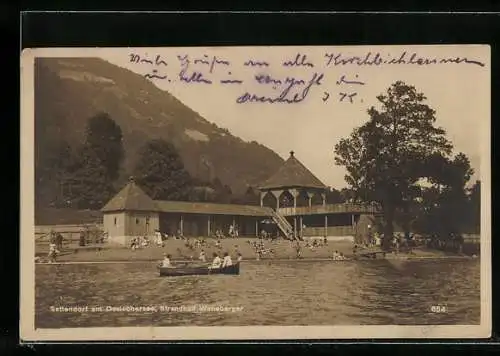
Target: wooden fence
[70, 233]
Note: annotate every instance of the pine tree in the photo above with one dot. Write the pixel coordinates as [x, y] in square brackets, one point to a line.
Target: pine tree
[104, 138]
[161, 173]
[91, 177]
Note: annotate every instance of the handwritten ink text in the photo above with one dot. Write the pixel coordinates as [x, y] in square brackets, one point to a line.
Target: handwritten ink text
[284, 96]
[299, 61]
[378, 59]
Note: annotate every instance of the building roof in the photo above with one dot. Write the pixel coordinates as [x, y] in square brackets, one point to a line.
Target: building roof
[212, 208]
[292, 174]
[131, 198]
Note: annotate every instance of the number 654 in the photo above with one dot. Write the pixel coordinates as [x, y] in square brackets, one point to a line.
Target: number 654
[438, 309]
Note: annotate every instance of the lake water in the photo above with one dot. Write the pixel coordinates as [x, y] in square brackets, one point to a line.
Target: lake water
[377, 292]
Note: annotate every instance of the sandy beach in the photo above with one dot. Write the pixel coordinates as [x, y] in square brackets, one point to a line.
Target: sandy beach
[283, 250]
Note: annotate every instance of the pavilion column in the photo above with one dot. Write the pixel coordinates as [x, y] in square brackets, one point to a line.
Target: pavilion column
[277, 194]
[181, 225]
[326, 225]
[295, 227]
[323, 195]
[256, 227]
[310, 196]
[301, 227]
[208, 226]
[295, 193]
[262, 196]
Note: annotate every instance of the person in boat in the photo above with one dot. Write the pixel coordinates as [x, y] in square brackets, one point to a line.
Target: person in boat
[166, 261]
[227, 261]
[216, 263]
[202, 257]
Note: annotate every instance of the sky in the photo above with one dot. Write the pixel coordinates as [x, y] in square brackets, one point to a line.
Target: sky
[459, 92]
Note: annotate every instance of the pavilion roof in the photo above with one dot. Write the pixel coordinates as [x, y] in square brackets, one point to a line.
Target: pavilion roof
[292, 174]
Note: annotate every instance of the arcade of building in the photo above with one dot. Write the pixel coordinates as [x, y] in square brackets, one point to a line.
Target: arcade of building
[293, 198]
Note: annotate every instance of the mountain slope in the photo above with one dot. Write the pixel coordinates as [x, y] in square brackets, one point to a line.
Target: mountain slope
[68, 91]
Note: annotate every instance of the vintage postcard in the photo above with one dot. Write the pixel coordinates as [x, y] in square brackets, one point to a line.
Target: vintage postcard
[251, 193]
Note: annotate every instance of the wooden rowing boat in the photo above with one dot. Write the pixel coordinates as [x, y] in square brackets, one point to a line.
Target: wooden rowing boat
[197, 271]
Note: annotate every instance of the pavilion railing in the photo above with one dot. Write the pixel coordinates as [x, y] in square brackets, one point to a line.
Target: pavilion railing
[283, 224]
[329, 209]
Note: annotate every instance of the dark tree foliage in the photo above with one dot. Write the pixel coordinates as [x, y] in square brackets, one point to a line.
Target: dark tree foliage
[160, 171]
[53, 164]
[104, 139]
[88, 183]
[89, 180]
[333, 196]
[384, 157]
[444, 208]
[223, 193]
[81, 178]
[202, 193]
[474, 200]
[251, 197]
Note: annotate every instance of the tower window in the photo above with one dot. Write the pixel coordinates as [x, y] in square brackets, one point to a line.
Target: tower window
[115, 221]
[137, 220]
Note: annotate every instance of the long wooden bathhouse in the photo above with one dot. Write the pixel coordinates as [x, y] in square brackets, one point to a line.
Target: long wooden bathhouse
[293, 198]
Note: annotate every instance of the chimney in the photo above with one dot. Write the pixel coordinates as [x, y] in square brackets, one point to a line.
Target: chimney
[291, 153]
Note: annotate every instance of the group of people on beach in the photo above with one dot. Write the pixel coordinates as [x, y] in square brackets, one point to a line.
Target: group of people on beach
[233, 231]
[55, 246]
[338, 256]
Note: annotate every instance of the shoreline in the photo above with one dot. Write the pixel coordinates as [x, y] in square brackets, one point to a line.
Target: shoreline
[180, 253]
[137, 261]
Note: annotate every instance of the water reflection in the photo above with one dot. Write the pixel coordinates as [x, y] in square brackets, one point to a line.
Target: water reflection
[282, 293]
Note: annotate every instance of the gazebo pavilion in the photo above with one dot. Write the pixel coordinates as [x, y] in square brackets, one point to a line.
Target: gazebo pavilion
[295, 182]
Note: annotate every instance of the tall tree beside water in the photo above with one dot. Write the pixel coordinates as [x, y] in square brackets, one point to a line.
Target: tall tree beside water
[97, 165]
[444, 207]
[161, 173]
[104, 139]
[384, 157]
